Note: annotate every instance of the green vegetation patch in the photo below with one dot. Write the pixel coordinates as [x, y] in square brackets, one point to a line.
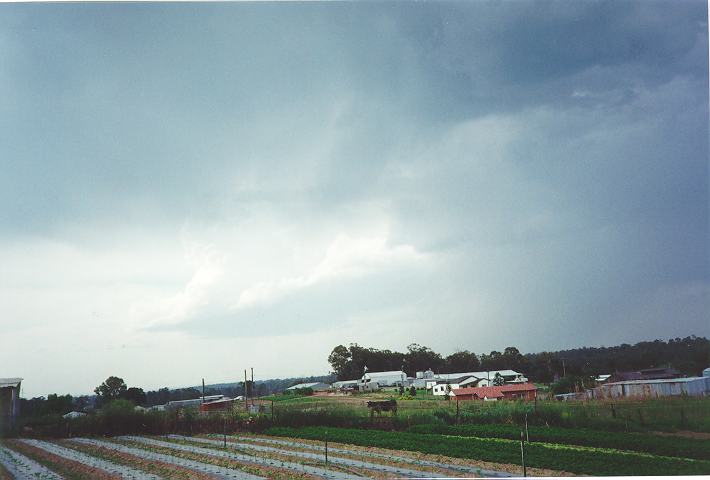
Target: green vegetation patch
[638, 442]
[573, 459]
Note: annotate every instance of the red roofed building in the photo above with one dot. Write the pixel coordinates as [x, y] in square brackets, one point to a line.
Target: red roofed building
[521, 391]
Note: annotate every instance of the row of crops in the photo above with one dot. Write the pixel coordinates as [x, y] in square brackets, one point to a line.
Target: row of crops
[603, 459]
[636, 442]
[209, 457]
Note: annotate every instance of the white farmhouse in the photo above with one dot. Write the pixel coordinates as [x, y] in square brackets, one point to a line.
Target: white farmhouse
[443, 386]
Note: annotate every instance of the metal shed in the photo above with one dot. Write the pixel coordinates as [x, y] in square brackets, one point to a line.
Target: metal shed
[692, 386]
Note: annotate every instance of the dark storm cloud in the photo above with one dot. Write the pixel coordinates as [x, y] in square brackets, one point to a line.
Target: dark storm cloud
[533, 171]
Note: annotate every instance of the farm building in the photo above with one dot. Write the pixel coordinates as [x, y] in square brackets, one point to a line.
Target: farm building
[668, 387]
[645, 374]
[522, 391]
[222, 404]
[441, 387]
[428, 379]
[383, 379]
[315, 386]
[345, 384]
[9, 401]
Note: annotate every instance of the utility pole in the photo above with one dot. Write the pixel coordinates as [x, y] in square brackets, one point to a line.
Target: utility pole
[246, 405]
[203, 390]
[252, 386]
[522, 453]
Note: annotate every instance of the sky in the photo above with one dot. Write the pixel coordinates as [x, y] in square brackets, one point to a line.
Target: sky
[189, 190]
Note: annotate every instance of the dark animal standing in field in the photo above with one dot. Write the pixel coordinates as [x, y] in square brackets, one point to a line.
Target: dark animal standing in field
[384, 406]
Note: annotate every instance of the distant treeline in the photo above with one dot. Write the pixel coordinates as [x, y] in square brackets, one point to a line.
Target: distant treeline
[689, 355]
[55, 404]
[259, 389]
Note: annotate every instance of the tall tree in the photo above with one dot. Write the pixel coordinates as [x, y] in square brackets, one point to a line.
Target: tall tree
[135, 395]
[111, 389]
[462, 361]
[419, 358]
[340, 359]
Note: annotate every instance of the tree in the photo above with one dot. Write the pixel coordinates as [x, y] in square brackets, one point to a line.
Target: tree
[135, 395]
[413, 391]
[498, 380]
[111, 389]
[462, 361]
[57, 404]
[418, 358]
[340, 359]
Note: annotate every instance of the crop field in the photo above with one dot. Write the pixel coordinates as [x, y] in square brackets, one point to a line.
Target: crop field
[246, 456]
[284, 453]
[607, 459]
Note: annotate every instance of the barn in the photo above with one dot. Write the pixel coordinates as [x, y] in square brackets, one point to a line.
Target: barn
[9, 402]
[692, 387]
[384, 379]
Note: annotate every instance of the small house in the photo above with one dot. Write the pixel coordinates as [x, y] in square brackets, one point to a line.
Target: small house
[521, 391]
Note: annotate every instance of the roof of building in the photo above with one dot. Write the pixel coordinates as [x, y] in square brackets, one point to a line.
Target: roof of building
[495, 392]
[385, 374]
[221, 400]
[659, 380]
[458, 380]
[306, 385]
[74, 414]
[486, 374]
[10, 382]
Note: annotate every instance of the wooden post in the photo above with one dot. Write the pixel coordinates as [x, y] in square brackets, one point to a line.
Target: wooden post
[203, 390]
[326, 448]
[252, 385]
[225, 431]
[246, 406]
[527, 435]
[458, 420]
[522, 453]
[272, 411]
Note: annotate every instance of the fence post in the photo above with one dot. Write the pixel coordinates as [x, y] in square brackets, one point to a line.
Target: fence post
[613, 412]
[682, 417]
[326, 448]
[527, 435]
[522, 453]
[225, 431]
[458, 420]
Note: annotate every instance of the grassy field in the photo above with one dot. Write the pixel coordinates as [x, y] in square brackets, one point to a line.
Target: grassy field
[667, 414]
[570, 458]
